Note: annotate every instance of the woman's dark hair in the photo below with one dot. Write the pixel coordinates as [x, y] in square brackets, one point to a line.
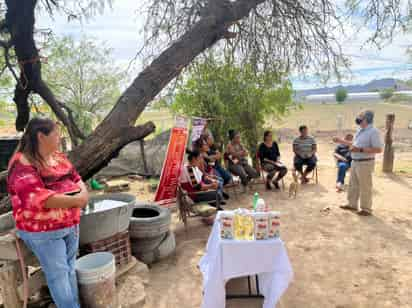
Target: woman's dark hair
[266, 134]
[29, 143]
[192, 154]
[200, 142]
[232, 134]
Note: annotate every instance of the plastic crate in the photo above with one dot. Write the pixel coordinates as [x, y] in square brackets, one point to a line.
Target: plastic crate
[118, 245]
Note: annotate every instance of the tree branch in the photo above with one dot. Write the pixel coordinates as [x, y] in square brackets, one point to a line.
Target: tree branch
[87, 165]
[139, 132]
[44, 91]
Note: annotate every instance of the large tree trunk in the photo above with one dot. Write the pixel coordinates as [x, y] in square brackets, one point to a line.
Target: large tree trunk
[20, 24]
[118, 128]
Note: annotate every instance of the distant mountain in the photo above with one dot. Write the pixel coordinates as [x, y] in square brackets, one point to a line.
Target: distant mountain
[373, 86]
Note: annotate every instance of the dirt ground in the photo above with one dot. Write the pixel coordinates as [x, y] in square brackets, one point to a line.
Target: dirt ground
[340, 260]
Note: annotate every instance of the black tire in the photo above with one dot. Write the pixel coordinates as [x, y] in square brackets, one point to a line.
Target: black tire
[165, 249]
[140, 245]
[149, 221]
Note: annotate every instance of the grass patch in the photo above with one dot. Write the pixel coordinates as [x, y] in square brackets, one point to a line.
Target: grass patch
[324, 116]
[163, 120]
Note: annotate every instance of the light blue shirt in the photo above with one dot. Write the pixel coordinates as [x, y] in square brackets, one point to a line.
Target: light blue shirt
[368, 137]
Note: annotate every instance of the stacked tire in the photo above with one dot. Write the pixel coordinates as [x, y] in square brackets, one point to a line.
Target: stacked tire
[150, 235]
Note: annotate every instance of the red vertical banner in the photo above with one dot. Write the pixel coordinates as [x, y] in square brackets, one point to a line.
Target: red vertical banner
[169, 179]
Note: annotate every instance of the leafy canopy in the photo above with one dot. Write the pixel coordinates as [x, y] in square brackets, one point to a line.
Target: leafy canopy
[233, 97]
[83, 75]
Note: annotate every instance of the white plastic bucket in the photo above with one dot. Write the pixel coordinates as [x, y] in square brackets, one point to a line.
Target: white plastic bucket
[96, 279]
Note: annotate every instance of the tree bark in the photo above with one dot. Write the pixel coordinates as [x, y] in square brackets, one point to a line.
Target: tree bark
[118, 128]
[87, 157]
[389, 153]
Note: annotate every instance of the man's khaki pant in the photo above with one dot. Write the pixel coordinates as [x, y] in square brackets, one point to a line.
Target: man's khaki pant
[360, 186]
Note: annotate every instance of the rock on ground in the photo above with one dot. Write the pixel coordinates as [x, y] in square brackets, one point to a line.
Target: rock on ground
[131, 287]
[130, 159]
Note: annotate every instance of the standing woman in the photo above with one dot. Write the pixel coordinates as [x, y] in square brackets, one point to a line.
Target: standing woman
[47, 194]
[237, 155]
[269, 156]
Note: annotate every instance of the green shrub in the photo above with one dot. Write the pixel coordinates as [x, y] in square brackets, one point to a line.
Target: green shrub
[341, 95]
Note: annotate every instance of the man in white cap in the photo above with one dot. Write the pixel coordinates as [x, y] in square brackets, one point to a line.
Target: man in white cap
[366, 144]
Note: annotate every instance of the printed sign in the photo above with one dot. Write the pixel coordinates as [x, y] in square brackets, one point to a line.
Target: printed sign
[198, 124]
[169, 179]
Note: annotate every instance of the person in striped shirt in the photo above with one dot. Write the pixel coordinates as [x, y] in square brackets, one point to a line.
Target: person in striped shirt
[305, 149]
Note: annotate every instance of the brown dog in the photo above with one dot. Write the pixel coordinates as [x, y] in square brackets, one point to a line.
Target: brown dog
[294, 186]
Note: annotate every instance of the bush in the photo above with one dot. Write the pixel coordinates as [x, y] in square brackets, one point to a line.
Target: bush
[386, 94]
[341, 95]
[235, 97]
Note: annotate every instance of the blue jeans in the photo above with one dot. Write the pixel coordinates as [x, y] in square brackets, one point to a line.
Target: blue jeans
[225, 175]
[342, 168]
[56, 252]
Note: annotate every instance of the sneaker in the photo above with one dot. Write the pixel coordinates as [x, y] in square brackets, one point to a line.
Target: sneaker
[339, 187]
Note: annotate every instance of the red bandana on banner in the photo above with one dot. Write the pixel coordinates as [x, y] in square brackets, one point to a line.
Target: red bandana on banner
[166, 191]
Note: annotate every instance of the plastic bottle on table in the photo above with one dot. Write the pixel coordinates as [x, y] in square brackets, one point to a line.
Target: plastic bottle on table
[260, 205]
[255, 200]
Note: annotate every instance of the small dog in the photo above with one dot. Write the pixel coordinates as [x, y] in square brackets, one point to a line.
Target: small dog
[294, 186]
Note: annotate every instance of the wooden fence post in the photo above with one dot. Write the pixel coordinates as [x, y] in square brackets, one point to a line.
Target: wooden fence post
[146, 170]
[389, 155]
[9, 273]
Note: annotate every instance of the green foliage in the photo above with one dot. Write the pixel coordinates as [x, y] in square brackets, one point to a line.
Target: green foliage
[234, 97]
[83, 76]
[400, 98]
[341, 95]
[6, 81]
[386, 94]
[160, 104]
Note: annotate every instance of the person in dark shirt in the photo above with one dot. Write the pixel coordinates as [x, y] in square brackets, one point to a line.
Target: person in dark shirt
[214, 157]
[344, 159]
[269, 157]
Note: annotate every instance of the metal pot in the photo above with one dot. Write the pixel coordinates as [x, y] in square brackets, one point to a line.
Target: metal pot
[95, 226]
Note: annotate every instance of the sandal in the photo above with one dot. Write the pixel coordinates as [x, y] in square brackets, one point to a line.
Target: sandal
[349, 208]
[364, 213]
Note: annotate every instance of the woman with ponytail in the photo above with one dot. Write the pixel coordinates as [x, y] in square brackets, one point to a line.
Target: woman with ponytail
[47, 194]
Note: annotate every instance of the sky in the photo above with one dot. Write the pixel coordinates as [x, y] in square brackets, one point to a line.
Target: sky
[120, 28]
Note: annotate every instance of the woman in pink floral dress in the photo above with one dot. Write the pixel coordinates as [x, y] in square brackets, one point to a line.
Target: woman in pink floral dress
[47, 194]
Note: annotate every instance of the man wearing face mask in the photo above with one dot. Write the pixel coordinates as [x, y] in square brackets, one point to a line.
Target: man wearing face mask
[366, 144]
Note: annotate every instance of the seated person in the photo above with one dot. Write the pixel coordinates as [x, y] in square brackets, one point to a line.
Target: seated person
[213, 159]
[305, 149]
[344, 160]
[205, 166]
[193, 180]
[237, 157]
[269, 157]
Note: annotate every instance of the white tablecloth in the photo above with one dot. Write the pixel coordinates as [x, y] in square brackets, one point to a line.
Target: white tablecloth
[227, 259]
